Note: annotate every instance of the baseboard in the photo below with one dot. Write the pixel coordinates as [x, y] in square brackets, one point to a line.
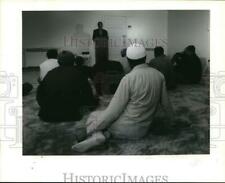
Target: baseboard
[30, 68]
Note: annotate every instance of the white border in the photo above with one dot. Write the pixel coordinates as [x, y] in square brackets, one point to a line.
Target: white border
[15, 167]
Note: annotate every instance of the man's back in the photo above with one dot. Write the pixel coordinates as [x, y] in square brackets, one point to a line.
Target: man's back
[87, 71]
[189, 67]
[163, 64]
[139, 93]
[62, 92]
[47, 66]
[195, 69]
[145, 84]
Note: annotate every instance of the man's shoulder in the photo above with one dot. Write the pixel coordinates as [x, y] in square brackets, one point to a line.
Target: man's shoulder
[147, 73]
[49, 61]
[62, 71]
[43, 63]
[154, 71]
[197, 57]
[166, 57]
[74, 70]
[54, 70]
[143, 70]
[152, 62]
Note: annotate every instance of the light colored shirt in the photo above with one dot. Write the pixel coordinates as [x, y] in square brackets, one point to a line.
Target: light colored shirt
[47, 66]
[134, 104]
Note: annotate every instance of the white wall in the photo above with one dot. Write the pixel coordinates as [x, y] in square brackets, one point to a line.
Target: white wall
[55, 29]
[149, 26]
[189, 27]
[173, 30]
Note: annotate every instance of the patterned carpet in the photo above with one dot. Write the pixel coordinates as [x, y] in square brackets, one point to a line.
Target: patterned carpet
[188, 135]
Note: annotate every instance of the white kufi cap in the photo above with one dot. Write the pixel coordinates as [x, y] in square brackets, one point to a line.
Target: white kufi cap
[135, 51]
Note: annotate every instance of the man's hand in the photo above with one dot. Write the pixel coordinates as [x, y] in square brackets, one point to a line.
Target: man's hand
[92, 122]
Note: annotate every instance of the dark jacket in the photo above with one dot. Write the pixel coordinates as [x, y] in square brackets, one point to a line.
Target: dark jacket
[62, 93]
[188, 67]
[96, 34]
[86, 70]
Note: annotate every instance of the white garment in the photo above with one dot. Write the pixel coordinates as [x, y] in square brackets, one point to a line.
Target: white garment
[135, 51]
[47, 66]
[134, 104]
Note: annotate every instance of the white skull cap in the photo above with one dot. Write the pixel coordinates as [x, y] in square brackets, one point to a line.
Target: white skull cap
[135, 51]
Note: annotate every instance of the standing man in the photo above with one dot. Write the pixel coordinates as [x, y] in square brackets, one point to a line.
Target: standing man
[100, 37]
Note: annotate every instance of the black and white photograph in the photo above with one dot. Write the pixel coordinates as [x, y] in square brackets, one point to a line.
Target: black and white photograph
[112, 91]
[116, 82]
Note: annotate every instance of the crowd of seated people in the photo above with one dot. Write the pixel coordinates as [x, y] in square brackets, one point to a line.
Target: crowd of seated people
[66, 85]
[187, 66]
[184, 67]
[63, 91]
[65, 88]
[133, 106]
[79, 64]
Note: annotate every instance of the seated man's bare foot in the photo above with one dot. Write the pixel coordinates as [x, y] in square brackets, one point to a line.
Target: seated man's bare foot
[81, 134]
[94, 140]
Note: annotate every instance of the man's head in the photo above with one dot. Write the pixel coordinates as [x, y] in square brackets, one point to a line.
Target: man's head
[189, 50]
[66, 58]
[136, 54]
[123, 52]
[158, 51]
[79, 61]
[52, 53]
[100, 25]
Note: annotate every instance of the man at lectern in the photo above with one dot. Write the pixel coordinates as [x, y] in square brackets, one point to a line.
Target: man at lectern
[100, 37]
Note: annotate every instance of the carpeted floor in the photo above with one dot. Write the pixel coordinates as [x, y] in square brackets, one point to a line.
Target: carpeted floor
[189, 135]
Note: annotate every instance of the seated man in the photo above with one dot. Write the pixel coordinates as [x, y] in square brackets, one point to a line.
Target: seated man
[63, 92]
[27, 88]
[49, 64]
[162, 63]
[188, 69]
[87, 71]
[133, 106]
[79, 61]
[106, 76]
[114, 66]
[112, 75]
